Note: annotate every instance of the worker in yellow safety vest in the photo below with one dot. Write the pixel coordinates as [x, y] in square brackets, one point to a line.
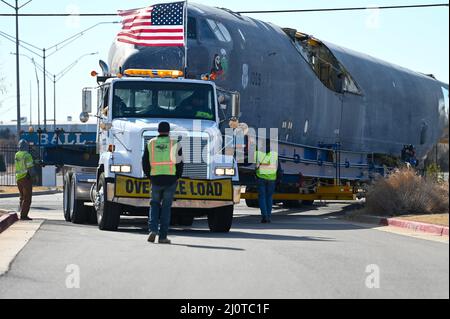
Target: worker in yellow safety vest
[24, 170]
[268, 174]
[163, 165]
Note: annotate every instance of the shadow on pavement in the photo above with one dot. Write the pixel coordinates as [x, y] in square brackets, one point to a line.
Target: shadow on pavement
[244, 226]
[205, 233]
[200, 229]
[209, 247]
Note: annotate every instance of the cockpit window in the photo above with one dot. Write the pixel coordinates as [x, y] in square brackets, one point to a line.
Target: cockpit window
[219, 30]
[205, 31]
[192, 28]
[323, 62]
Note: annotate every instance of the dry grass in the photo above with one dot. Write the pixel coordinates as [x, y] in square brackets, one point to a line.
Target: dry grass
[405, 192]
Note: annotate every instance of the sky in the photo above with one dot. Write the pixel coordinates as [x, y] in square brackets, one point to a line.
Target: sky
[413, 38]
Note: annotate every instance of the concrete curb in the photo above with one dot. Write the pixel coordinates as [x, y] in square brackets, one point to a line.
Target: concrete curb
[402, 223]
[418, 226]
[51, 192]
[7, 220]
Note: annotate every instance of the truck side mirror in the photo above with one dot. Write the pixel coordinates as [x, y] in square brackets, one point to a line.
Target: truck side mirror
[87, 101]
[84, 117]
[222, 101]
[235, 105]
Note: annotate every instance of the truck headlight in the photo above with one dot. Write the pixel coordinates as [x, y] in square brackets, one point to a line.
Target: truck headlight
[225, 171]
[115, 168]
[230, 172]
[120, 168]
[125, 168]
[220, 171]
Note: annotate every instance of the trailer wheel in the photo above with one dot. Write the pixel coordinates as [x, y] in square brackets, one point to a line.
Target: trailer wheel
[78, 212]
[108, 213]
[185, 220]
[91, 216]
[66, 197]
[220, 219]
[253, 203]
[181, 217]
[292, 203]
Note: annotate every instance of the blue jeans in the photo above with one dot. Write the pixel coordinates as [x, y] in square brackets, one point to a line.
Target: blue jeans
[160, 209]
[266, 189]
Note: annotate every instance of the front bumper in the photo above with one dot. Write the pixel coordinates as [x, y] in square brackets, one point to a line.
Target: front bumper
[177, 203]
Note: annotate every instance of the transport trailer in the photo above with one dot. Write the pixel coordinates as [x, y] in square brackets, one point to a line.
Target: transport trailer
[102, 171]
[76, 155]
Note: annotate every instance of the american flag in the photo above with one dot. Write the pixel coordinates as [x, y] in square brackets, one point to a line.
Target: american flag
[158, 25]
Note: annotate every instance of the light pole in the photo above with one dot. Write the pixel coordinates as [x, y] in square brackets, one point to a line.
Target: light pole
[38, 92]
[37, 83]
[31, 106]
[57, 47]
[16, 9]
[59, 76]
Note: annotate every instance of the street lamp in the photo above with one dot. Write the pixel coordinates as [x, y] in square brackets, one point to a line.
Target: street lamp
[59, 76]
[17, 8]
[57, 47]
[37, 82]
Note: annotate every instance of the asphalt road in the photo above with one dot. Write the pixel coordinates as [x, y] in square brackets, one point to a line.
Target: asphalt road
[302, 254]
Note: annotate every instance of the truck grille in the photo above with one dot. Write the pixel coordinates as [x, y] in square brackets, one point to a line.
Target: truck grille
[195, 165]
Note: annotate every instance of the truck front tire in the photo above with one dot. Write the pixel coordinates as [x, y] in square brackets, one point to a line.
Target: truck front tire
[220, 219]
[108, 213]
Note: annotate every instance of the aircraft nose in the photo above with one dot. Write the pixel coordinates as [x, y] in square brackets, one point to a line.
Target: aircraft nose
[168, 58]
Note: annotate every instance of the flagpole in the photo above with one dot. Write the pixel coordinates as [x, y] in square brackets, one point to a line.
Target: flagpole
[185, 36]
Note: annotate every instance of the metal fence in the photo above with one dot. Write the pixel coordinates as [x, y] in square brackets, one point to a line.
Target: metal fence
[7, 169]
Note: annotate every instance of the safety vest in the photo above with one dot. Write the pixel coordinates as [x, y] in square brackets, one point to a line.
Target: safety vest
[24, 162]
[266, 165]
[163, 156]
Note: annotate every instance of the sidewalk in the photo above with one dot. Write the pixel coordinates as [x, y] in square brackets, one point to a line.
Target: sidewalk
[8, 218]
[434, 229]
[35, 193]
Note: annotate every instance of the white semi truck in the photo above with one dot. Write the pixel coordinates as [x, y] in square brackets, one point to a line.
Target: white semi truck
[129, 108]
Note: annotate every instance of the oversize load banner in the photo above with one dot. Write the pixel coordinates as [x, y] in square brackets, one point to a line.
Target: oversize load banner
[190, 189]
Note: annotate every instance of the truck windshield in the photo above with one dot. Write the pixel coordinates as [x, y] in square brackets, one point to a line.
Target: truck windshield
[145, 99]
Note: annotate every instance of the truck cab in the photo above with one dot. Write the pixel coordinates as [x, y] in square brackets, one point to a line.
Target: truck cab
[129, 109]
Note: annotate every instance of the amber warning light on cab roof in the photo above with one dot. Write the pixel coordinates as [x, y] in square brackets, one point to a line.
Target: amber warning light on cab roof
[154, 73]
[161, 74]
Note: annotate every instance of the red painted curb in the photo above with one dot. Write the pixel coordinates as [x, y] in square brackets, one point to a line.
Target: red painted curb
[417, 226]
[7, 220]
